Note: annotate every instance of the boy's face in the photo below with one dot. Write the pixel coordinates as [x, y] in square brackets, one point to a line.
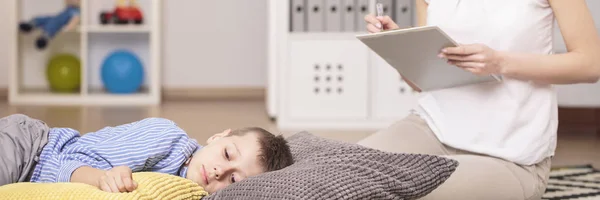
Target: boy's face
[225, 160]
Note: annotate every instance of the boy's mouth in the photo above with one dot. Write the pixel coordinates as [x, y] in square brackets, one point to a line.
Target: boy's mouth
[204, 176]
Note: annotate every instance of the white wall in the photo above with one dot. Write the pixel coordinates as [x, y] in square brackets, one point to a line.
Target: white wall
[221, 44]
[5, 11]
[205, 43]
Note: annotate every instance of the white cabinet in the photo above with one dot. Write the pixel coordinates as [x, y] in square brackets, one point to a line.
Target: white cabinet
[392, 98]
[326, 78]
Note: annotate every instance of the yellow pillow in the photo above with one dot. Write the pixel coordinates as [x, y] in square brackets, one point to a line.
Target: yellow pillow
[151, 185]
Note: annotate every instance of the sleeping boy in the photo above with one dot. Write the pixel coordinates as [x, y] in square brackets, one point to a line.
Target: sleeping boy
[106, 159]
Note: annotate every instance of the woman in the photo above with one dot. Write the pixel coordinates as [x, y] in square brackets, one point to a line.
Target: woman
[503, 134]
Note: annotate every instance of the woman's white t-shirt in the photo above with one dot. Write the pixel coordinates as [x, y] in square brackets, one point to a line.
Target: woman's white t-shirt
[514, 120]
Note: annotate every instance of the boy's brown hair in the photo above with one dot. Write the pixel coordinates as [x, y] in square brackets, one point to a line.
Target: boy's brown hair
[275, 153]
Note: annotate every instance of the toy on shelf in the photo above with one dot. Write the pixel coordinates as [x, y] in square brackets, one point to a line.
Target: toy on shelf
[64, 73]
[66, 20]
[126, 11]
[122, 72]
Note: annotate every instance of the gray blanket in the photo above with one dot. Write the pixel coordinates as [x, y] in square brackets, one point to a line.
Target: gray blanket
[327, 169]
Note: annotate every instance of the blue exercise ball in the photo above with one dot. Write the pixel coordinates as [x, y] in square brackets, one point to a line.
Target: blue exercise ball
[122, 72]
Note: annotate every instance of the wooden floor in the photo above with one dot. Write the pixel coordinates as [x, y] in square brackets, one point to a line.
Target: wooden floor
[204, 118]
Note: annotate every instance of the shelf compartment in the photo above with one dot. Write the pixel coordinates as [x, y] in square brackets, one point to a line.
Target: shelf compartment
[33, 63]
[101, 45]
[94, 8]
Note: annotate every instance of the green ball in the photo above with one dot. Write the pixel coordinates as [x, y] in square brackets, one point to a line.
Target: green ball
[64, 73]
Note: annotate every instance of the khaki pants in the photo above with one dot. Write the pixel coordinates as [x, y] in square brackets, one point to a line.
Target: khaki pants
[477, 176]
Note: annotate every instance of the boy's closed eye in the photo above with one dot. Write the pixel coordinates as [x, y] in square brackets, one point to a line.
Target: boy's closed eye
[229, 158]
[227, 155]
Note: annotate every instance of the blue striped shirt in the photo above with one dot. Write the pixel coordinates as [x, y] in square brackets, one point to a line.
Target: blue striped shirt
[152, 144]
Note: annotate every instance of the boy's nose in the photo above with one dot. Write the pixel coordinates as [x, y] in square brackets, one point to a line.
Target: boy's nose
[219, 171]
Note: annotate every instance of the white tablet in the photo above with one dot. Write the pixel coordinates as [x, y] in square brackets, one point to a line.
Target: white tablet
[413, 52]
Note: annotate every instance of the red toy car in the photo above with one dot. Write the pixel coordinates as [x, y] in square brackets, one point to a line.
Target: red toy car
[122, 15]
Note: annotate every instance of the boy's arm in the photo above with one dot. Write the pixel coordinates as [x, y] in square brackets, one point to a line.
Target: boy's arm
[138, 146]
[87, 175]
[118, 179]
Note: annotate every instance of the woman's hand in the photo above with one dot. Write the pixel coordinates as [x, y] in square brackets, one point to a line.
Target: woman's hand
[476, 58]
[375, 24]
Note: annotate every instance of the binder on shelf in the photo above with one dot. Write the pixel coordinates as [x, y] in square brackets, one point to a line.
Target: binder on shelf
[362, 9]
[404, 13]
[316, 15]
[348, 15]
[298, 14]
[333, 15]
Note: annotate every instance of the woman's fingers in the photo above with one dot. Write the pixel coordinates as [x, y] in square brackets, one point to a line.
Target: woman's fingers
[470, 67]
[463, 50]
[467, 64]
[388, 23]
[476, 71]
[379, 23]
[454, 57]
[372, 29]
[372, 20]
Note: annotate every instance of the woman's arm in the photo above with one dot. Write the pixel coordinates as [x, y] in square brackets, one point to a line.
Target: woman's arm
[581, 64]
[421, 9]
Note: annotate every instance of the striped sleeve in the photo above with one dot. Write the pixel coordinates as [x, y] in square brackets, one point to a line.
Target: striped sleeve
[139, 145]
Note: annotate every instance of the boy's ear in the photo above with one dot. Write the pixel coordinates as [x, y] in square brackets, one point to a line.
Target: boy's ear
[218, 136]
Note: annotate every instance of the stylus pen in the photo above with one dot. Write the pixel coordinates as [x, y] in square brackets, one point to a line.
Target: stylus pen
[380, 13]
[498, 78]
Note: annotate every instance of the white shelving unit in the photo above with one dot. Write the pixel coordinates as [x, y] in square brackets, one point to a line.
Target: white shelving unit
[91, 42]
[329, 79]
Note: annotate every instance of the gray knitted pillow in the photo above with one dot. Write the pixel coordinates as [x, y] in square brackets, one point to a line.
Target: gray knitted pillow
[328, 169]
